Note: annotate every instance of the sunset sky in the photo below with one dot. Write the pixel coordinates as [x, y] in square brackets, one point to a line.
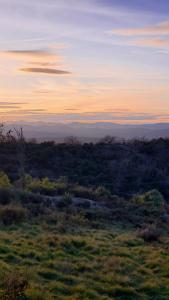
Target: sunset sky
[84, 60]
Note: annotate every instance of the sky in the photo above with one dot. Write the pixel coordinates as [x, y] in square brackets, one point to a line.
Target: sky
[84, 61]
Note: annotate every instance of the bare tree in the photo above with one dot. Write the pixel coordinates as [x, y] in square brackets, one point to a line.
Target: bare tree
[6, 136]
[108, 139]
[20, 141]
[71, 140]
[15, 137]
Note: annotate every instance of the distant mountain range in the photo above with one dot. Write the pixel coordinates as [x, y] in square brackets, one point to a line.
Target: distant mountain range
[91, 131]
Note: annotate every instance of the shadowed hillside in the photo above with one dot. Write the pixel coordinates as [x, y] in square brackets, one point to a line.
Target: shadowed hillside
[125, 168]
[84, 221]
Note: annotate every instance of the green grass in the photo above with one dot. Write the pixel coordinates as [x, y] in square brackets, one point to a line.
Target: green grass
[102, 264]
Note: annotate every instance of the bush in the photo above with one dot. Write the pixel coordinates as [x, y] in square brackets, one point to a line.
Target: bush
[42, 186]
[11, 214]
[29, 198]
[65, 201]
[62, 185]
[37, 294]
[14, 287]
[82, 192]
[152, 198]
[6, 196]
[101, 193]
[150, 234]
[4, 181]
[151, 204]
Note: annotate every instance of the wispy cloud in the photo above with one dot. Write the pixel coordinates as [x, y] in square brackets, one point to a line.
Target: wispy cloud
[24, 112]
[9, 106]
[155, 36]
[34, 55]
[46, 60]
[152, 42]
[72, 109]
[45, 71]
[12, 105]
[113, 116]
[42, 64]
[157, 29]
[42, 91]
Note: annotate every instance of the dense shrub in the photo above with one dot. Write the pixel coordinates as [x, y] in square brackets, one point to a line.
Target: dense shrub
[4, 181]
[6, 196]
[82, 192]
[62, 185]
[153, 198]
[37, 294]
[151, 203]
[123, 167]
[149, 234]
[42, 186]
[12, 214]
[14, 286]
[71, 221]
[46, 186]
[27, 198]
[61, 188]
[65, 201]
[102, 193]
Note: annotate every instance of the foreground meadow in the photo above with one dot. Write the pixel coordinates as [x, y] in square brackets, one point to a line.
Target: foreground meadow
[62, 241]
[63, 261]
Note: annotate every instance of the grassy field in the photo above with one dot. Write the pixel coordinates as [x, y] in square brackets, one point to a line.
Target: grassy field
[55, 247]
[66, 261]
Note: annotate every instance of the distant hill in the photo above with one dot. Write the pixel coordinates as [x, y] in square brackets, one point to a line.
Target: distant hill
[91, 131]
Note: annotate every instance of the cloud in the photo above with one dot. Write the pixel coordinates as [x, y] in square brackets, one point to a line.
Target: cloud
[152, 42]
[42, 91]
[90, 116]
[45, 71]
[73, 115]
[36, 55]
[72, 109]
[9, 106]
[45, 61]
[158, 29]
[28, 52]
[11, 103]
[42, 64]
[145, 36]
[111, 116]
[22, 112]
